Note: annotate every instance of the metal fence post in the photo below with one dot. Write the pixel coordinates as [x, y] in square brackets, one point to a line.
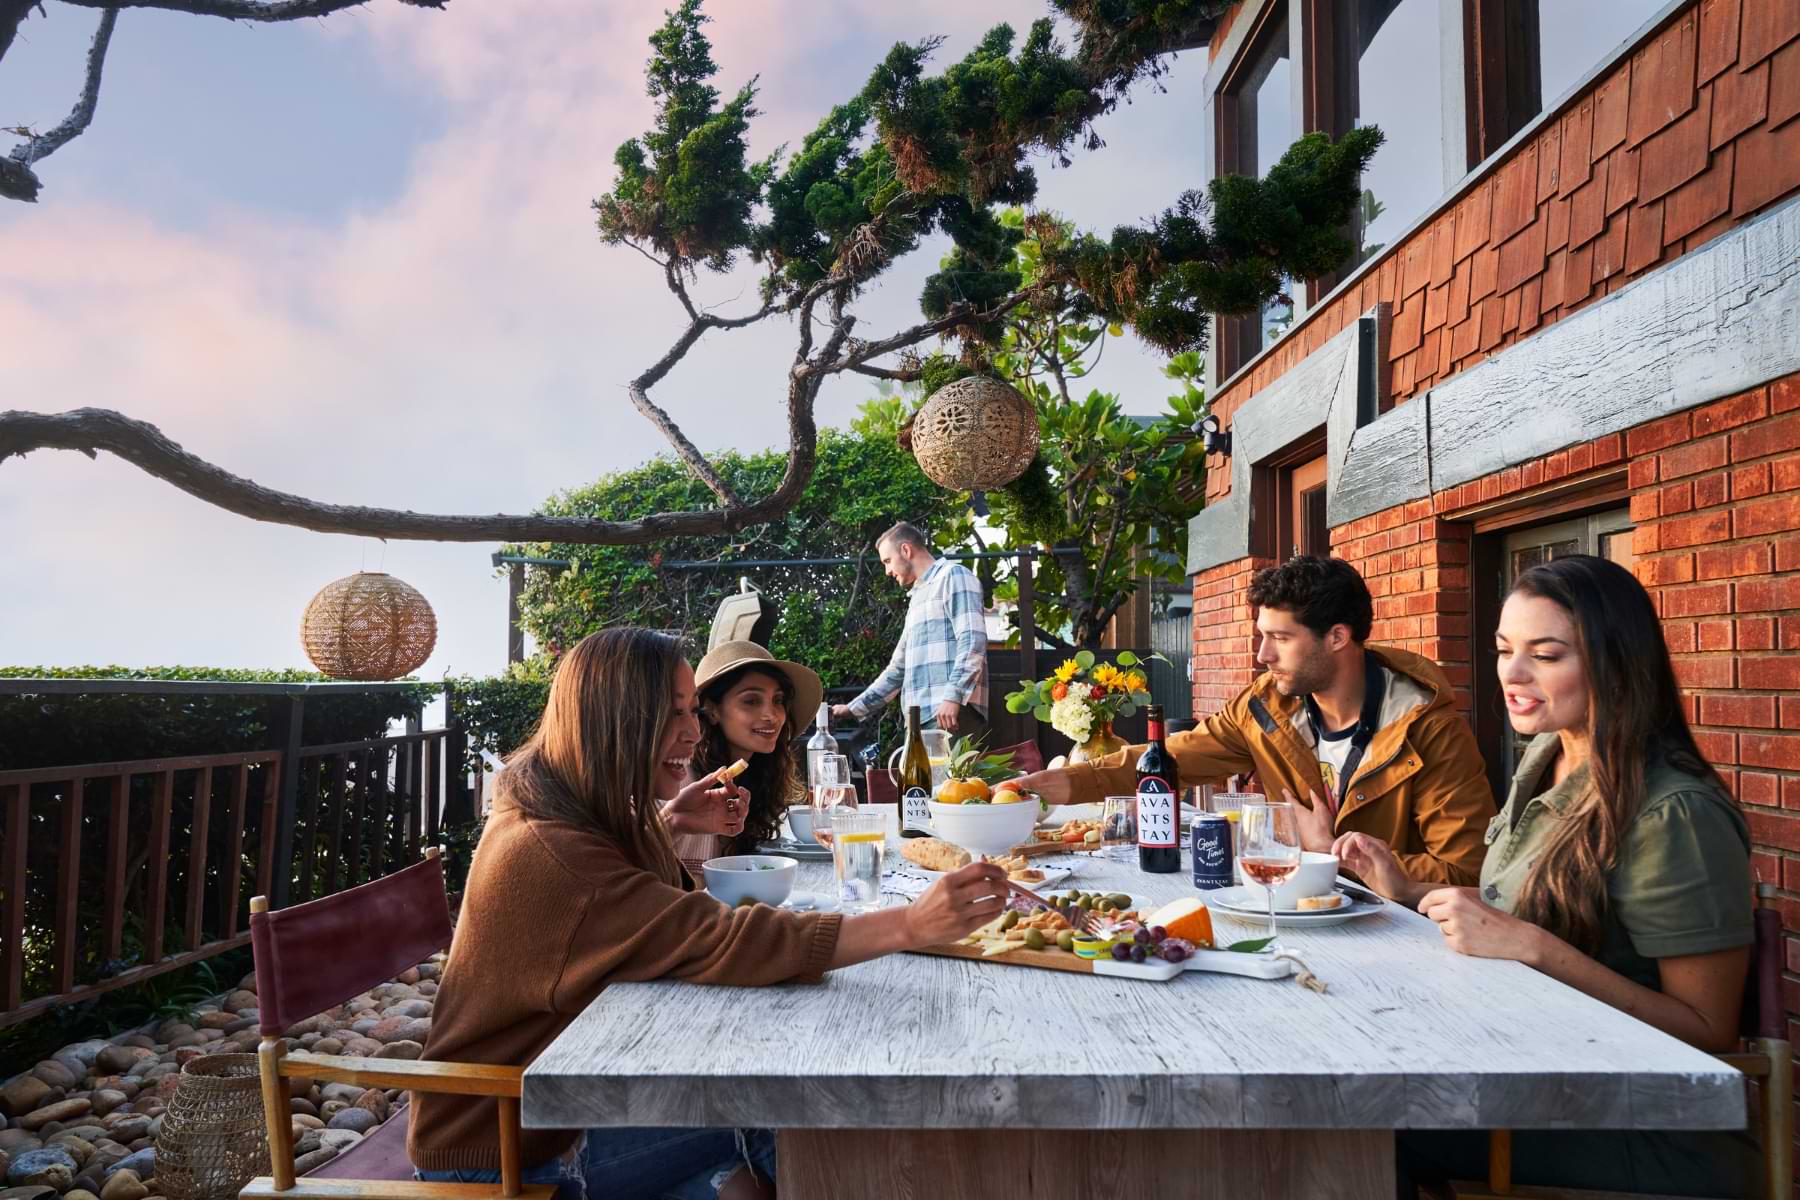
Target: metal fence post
[290, 715]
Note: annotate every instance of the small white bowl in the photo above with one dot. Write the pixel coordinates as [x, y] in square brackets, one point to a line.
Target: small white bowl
[1317, 876]
[765, 877]
[800, 819]
[984, 828]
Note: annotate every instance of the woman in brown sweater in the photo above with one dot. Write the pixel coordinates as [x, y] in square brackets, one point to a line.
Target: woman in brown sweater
[575, 885]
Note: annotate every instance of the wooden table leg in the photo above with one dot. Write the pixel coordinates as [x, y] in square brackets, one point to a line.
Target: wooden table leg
[1057, 1164]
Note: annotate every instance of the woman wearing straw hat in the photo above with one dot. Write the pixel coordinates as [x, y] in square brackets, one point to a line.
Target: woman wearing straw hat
[752, 705]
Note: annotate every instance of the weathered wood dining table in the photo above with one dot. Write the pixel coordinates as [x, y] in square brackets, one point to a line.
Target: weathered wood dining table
[916, 1076]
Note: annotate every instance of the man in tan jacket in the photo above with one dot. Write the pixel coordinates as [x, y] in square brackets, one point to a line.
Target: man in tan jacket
[1366, 739]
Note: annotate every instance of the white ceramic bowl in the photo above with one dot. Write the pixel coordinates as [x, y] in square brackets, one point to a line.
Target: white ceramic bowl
[765, 877]
[800, 818]
[1317, 876]
[984, 828]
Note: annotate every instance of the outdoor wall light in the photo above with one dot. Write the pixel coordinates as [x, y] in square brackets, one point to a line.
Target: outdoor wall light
[1212, 438]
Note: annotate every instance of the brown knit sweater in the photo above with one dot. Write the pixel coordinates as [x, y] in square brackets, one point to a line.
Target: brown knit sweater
[552, 914]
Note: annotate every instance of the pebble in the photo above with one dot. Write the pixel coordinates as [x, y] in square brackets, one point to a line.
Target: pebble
[79, 1194]
[241, 999]
[105, 1100]
[318, 1158]
[349, 1093]
[215, 1020]
[130, 1129]
[364, 1026]
[306, 1141]
[301, 1106]
[328, 1045]
[38, 1118]
[362, 1047]
[140, 1162]
[374, 1100]
[23, 1094]
[428, 987]
[410, 1008]
[55, 1074]
[339, 1139]
[142, 1040]
[307, 1121]
[14, 1140]
[410, 975]
[85, 1052]
[33, 1192]
[405, 1049]
[79, 1148]
[124, 1185]
[332, 1108]
[188, 1054]
[116, 1060]
[52, 1166]
[358, 1120]
[245, 1021]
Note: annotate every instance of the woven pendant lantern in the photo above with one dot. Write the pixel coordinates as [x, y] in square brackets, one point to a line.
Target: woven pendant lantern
[975, 434]
[368, 626]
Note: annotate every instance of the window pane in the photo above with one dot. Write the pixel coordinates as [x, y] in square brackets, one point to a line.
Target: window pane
[1265, 128]
[1617, 547]
[1574, 38]
[1388, 51]
[1265, 106]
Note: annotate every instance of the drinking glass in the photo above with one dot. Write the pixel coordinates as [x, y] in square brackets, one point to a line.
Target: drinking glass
[830, 783]
[1118, 828]
[858, 844]
[1268, 848]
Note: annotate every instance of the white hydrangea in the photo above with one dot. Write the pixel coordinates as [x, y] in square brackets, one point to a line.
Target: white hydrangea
[1071, 716]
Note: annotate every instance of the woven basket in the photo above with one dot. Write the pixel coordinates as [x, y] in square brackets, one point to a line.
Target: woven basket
[213, 1138]
[368, 626]
[976, 434]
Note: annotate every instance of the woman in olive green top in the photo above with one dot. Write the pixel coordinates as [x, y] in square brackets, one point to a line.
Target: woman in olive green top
[1620, 866]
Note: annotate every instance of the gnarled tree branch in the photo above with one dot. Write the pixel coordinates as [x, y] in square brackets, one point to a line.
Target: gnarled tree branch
[20, 182]
[248, 10]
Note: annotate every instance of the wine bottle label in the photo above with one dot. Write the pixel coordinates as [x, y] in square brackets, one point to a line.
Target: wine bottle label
[1155, 813]
[915, 809]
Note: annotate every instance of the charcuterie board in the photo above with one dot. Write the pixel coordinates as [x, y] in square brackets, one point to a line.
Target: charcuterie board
[1220, 962]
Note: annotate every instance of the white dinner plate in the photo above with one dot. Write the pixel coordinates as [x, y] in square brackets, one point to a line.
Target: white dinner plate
[799, 851]
[1241, 904]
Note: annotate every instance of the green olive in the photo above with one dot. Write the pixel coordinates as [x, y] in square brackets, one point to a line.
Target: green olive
[1034, 939]
[1085, 903]
[1009, 920]
[1119, 900]
[1066, 939]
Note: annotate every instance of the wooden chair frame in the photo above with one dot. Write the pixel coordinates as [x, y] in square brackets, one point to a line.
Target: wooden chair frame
[1769, 1061]
[276, 1066]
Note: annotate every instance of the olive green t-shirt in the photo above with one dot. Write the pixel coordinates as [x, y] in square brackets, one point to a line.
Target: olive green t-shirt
[1682, 881]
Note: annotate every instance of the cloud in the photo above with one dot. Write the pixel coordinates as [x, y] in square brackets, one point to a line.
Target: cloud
[460, 347]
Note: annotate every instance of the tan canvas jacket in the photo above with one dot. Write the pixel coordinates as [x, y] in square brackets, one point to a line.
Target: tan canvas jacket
[1421, 786]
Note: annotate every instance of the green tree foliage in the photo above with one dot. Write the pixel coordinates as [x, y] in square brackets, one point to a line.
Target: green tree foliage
[918, 152]
[841, 621]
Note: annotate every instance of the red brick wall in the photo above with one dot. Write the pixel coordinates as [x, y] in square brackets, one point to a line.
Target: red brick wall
[1691, 134]
[1224, 629]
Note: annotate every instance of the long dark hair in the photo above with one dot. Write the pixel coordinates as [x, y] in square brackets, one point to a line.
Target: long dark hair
[592, 760]
[771, 778]
[1634, 711]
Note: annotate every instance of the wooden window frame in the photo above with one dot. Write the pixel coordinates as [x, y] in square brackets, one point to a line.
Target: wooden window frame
[1503, 72]
[1487, 564]
[1273, 498]
[1230, 354]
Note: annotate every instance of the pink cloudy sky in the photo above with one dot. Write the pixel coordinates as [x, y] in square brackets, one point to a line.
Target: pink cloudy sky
[353, 259]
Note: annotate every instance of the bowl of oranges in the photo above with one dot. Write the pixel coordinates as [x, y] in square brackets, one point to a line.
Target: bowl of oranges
[982, 818]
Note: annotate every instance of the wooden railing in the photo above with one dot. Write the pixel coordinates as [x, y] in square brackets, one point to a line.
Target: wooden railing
[146, 867]
[110, 803]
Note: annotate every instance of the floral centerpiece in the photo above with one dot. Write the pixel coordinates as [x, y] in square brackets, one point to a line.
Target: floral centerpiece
[1083, 697]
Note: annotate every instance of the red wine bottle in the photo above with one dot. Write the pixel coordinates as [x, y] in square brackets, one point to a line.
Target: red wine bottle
[1158, 805]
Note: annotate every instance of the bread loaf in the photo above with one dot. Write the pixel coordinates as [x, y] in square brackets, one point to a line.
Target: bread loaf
[933, 854]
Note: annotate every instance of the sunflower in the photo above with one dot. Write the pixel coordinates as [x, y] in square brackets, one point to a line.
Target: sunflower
[1108, 677]
[1068, 671]
[1135, 682]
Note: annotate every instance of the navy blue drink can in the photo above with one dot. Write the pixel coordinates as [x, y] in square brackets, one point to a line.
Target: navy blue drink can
[1211, 839]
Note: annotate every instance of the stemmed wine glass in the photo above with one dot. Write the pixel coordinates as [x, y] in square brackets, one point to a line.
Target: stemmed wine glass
[1269, 849]
[831, 789]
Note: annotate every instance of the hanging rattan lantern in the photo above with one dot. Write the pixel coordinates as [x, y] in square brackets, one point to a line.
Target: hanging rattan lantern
[975, 434]
[368, 626]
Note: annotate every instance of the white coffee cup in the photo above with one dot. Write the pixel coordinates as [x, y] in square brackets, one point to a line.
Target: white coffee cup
[800, 818]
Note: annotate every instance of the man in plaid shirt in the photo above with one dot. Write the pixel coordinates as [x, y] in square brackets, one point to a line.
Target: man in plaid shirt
[941, 661]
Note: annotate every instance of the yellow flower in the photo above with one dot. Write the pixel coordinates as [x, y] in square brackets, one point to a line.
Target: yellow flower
[1135, 682]
[1068, 671]
[1107, 676]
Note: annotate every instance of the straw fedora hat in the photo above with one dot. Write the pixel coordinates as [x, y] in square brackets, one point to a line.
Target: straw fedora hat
[728, 657]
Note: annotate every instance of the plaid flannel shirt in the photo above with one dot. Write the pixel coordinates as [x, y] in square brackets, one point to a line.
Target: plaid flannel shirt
[942, 654]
